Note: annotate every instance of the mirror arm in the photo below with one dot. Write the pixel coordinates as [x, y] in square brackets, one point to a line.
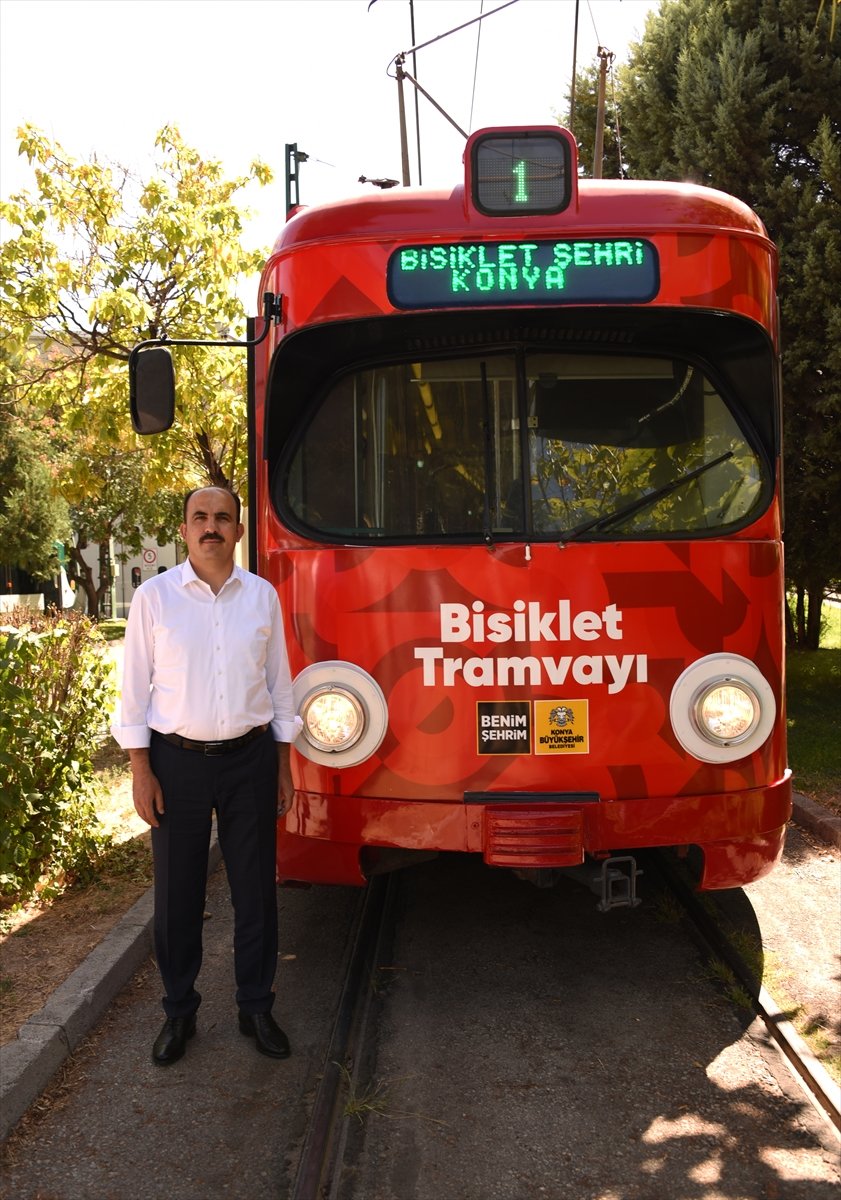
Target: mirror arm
[271, 316]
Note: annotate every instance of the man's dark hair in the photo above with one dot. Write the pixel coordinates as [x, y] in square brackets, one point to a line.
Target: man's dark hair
[218, 487]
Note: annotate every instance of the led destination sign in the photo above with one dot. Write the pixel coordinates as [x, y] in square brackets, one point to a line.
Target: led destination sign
[604, 271]
[525, 173]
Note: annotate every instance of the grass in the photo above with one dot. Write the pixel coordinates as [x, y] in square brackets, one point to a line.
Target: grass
[768, 969]
[831, 626]
[813, 700]
[360, 1102]
[813, 704]
[375, 1098]
[112, 629]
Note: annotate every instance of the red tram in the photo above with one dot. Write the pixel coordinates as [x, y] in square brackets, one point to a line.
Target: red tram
[516, 478]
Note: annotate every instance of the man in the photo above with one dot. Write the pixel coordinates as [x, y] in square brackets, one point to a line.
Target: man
[207, 717]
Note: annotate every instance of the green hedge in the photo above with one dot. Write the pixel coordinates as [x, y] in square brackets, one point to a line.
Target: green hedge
[55, 694]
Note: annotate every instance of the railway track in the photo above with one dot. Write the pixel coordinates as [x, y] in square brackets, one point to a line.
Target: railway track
[526, 1044]
[350, 1057]
[321, 1156]
[818, 1086]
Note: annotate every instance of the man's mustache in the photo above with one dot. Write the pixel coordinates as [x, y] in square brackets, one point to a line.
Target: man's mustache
[210, 537]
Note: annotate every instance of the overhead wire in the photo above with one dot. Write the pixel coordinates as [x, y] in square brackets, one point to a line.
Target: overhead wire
[616, 125]
[593, 19]
[475, 67]
[417, 98]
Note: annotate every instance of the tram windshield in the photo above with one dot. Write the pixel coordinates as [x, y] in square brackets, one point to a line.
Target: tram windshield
[537, 445]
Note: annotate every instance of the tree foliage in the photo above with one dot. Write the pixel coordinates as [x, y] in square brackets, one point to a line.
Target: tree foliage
[583, 124]
[745, 96]
[33, 516]
[54, 687]
[98, 260]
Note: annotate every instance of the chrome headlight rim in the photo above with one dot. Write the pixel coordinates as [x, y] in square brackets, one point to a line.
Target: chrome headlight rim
[357, 707]
[705, 692]
[698, 680]
[353, 681]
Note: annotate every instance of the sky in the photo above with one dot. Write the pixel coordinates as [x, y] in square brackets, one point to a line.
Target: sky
[241, 79]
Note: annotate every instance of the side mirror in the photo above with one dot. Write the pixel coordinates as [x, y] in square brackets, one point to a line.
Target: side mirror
[151, 390]
[151, 378]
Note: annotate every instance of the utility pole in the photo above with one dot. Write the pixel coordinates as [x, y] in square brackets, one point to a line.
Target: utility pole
[574, 58]
[605, 56]
[400, 74]
[401, 103]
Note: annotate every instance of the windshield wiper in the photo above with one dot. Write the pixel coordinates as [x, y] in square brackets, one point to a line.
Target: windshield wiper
[628, 510]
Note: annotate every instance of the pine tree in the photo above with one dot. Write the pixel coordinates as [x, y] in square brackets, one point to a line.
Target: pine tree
[745, 95]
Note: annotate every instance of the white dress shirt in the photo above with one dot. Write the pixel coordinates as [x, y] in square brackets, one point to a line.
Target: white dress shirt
[208, 667]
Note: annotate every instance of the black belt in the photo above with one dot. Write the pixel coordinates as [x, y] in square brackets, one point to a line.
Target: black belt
[175, 739]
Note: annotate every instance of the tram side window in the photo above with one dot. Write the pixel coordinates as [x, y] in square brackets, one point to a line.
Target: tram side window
[408, 450]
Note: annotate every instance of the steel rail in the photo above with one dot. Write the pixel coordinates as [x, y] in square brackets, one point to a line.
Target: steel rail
[815, 1081]
[317, 1171]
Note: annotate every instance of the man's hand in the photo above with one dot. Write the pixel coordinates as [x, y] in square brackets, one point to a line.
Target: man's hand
[145, 789]
[285, 787]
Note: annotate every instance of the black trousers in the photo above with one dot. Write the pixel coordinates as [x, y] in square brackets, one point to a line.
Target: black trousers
[242, 788]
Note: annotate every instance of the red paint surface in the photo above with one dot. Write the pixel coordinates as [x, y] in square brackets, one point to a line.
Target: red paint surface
[677, 600]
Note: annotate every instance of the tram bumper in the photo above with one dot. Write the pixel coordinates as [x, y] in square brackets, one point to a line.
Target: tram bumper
[739, 834]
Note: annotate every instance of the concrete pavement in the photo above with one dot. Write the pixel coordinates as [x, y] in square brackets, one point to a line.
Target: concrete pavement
[28, 1063]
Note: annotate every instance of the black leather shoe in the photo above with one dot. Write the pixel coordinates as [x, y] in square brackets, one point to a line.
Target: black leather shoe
[271, 1039]
[171, 1042]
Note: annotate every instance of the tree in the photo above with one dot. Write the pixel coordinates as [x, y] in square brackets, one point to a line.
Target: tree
[586, 101]
[745, 95]
[100, 259]
[811, 318]
[33, 517]
[115, 506]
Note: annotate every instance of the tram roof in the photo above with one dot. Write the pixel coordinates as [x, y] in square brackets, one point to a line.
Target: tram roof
[611, 206]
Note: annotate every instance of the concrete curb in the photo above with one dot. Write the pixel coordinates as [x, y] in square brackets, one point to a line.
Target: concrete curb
[49, 1036]
[818, 820]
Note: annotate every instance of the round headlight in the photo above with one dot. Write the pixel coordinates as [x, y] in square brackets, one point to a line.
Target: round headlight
[722, 708]
[344, 712]
[727, 712]
[333, 719]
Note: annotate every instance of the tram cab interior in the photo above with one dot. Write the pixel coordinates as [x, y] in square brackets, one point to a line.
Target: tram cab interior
[525, 445]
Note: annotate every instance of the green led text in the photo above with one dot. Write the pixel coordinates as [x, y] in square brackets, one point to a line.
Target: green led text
[521, 196]
[515, 266]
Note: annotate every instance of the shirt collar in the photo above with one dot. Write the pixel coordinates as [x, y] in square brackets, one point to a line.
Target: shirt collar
[188, 575]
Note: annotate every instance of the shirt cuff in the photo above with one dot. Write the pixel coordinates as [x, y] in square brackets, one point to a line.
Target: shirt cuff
[132, 737]
[287, 731]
